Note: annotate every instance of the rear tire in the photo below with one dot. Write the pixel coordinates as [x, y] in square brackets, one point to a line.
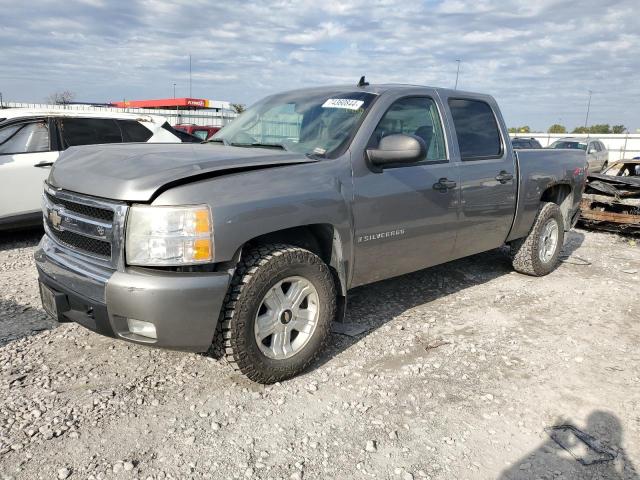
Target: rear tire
[538, 253]
[276, 290]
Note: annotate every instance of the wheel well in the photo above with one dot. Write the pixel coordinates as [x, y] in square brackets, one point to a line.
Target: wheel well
[560, 194]
[317, 238]
[320, 239]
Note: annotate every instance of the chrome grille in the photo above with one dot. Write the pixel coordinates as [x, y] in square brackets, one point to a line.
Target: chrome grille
[79, 242]
[85, 226]
[87, 211]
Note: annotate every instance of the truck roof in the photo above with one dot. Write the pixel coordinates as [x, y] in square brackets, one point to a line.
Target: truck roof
[379, 89]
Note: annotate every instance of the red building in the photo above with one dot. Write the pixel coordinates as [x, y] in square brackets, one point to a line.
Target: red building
[171, 103]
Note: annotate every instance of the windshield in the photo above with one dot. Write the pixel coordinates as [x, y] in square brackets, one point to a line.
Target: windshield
[569, 144]
[320, 124]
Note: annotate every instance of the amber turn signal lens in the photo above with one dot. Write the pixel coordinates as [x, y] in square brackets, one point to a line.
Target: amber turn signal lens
[203, 224]
[202, 249]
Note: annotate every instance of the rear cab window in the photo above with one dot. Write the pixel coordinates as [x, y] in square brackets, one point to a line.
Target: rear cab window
[134, 131]
[203, 134]
[476, 129]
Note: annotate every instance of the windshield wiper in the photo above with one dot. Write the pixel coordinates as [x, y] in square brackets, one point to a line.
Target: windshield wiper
[259, 145]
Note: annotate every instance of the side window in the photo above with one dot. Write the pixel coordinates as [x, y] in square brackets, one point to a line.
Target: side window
[134, 131]
[602, 147]
[414, 116]
[476, 128]
[24, 138]
[89, 131]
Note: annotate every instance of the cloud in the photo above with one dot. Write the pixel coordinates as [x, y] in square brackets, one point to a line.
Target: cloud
[537, 58]
[312, 36]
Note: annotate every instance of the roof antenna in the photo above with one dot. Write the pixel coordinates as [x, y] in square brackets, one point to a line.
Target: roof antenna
[363, 82]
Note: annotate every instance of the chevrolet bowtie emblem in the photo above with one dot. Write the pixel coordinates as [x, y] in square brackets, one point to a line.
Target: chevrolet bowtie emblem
[55, 219]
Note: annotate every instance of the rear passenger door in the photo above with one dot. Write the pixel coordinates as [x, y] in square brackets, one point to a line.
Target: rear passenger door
[605, 155]
[25, 160]
[487, 176]
[593, 157]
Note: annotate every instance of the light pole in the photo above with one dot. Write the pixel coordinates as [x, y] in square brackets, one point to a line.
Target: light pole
[586, 120]
[190, 76]
[174, 90]
[457, 74]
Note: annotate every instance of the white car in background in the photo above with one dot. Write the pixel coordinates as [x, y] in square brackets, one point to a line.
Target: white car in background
[31, 141]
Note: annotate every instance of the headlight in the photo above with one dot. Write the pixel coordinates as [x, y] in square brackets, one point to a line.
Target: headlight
[158, 235]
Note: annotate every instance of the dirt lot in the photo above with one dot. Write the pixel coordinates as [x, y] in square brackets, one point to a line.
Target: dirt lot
[462, 369]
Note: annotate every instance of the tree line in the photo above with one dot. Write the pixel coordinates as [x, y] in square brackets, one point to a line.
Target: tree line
[601, 128]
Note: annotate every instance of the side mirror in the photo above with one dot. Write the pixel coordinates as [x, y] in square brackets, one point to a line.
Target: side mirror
[397, 149]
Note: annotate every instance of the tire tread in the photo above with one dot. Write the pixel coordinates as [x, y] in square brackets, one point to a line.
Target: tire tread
[524, 251]
[259, 260]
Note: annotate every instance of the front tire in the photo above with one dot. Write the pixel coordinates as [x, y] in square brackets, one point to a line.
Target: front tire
[278, 312]
[538, 253]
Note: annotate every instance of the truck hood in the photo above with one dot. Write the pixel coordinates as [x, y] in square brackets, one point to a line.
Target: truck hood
[135, 172]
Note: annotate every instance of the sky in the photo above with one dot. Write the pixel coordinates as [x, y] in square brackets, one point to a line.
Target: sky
[538, 58]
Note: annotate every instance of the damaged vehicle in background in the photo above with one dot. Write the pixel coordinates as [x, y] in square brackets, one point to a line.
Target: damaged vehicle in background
[611, 200]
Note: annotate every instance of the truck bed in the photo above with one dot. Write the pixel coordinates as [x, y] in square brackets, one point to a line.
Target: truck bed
[537, 169]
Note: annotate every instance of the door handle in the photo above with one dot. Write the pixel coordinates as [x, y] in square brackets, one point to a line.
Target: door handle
[504, 176]
[43, 164]
[444, 184]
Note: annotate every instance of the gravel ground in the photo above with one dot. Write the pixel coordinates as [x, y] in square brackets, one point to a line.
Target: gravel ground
[462, 369]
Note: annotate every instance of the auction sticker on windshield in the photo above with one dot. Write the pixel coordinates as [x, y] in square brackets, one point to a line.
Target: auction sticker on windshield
[347, 103]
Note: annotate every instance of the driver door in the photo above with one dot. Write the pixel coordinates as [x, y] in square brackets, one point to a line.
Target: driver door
[405, 220]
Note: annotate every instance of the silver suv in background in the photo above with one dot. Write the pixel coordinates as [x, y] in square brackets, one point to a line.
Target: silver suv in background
[597, 153]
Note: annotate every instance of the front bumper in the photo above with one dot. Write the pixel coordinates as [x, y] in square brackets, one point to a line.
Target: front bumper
[184, 307]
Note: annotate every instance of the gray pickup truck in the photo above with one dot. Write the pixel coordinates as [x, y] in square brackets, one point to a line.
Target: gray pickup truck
[252, 240]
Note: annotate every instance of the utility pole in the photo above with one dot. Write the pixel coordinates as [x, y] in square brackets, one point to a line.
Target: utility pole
[174, 90]
[586, 120]
[190, 76]
[457, 74]
[1, 104]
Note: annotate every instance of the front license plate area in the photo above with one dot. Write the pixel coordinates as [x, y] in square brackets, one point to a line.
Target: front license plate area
[48, 298]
